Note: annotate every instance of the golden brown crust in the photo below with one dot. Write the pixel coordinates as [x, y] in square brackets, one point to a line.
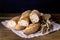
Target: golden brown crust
[18, 27]
[32, 28]
[12, 23]
[16, 18]
[25, 16]
[37, 12]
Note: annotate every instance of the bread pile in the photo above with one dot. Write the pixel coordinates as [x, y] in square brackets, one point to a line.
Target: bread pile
[31, 22]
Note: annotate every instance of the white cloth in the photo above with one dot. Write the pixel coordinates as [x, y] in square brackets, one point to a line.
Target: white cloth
[21, 34]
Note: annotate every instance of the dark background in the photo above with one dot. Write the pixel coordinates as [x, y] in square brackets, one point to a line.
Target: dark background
[16, 6]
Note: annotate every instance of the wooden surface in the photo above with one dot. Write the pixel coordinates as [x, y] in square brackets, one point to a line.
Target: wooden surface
[6, 34]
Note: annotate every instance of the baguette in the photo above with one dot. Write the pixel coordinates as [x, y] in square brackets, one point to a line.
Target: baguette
[24, 19]
[32, 28]
[12, 23]
[18, 27]
[34, 16]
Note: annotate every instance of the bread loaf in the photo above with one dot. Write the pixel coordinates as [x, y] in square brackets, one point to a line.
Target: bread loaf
[24, 19]
[34, 16]
[32, 28]
[12, 23]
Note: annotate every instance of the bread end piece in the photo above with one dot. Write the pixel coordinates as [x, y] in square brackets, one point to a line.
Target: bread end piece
[31, 29]
[34, 16]
[18, 27]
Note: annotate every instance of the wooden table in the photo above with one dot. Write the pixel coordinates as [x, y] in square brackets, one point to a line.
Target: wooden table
[6, 34]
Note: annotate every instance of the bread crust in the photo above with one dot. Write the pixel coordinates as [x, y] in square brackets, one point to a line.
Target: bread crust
[13, 22]
[35, 16]
[32, 28]
[18, 27]
[25, 17]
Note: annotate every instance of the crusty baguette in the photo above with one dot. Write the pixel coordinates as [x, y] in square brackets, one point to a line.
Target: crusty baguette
[24, 22]
[24, 19]
[25, 14]
[18, 27]
[32, 28]
[12, 22]
[35, 16]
